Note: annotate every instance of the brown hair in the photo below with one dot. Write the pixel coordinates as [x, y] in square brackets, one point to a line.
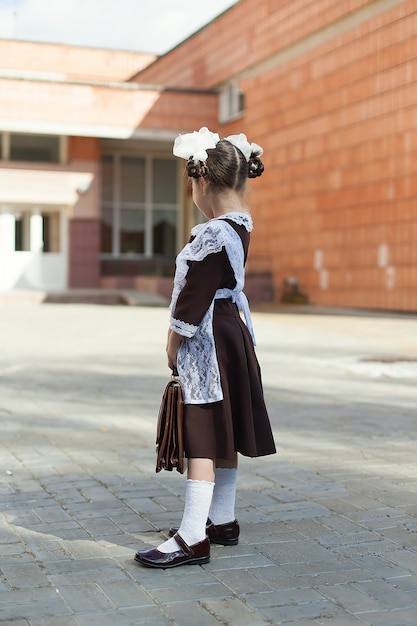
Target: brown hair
[226, 167]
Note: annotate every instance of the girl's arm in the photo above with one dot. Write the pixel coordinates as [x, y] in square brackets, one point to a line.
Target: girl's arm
[173, 345]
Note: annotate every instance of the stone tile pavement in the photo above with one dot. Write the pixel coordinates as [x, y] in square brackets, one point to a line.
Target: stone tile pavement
[329, 524]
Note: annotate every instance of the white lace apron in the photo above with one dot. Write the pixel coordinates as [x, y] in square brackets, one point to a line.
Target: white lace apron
[197, 360]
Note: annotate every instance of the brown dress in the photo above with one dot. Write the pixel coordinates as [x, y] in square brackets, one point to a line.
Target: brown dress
[239, 422]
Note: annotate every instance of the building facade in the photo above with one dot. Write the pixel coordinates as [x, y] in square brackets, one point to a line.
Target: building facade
[90, 195]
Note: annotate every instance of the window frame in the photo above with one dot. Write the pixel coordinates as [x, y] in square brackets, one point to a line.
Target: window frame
[5, 145]
[116, 205]
[231, 102]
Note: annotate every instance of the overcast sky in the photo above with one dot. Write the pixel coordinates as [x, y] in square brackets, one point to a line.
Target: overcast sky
[140, 25]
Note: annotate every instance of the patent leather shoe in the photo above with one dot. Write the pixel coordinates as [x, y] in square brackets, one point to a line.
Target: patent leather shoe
[220, 534]
[196, 554]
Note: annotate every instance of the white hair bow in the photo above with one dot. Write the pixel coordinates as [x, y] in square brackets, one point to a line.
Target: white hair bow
[195, 144]
[241, 142]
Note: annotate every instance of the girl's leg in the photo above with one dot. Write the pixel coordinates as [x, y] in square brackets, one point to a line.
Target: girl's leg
[198, 495]
[222, 509]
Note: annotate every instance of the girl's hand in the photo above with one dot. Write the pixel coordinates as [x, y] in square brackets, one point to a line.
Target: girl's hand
[173, 345]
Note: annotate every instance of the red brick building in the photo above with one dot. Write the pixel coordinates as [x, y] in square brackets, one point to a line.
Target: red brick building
[328, 88]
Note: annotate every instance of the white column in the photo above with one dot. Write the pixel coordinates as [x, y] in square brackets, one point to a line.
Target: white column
[7, 231]
[36, 234]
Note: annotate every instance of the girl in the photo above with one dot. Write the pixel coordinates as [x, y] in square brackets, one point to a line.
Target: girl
[213, 349]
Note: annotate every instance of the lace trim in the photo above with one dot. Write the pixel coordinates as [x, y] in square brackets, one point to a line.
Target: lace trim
[183, 328]
[197, 360]
[197, 250]
[241, 218]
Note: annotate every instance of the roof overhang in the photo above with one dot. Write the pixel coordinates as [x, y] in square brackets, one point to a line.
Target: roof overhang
[42, 187]
[107, 110]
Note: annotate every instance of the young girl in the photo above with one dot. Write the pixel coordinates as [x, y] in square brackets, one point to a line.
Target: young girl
[213, 349]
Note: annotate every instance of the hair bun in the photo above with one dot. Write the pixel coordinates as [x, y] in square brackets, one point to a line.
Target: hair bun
[196, 170]
[255, 166]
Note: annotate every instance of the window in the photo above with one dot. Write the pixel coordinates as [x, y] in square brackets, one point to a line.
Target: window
[32, 147]
[140, 206]
[232, 102]
[23, 231]
[51, 222]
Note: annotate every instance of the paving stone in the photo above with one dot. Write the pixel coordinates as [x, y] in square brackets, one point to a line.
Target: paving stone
[282, 597]
[400, 617]
[366, 547]
[276, 577]
[387, 594]
[67, 531]
[83, 576]
[350, 539]
[386, 516]
[61, 620]
[118, 545]
[328, 566]
[17, 622]
[51, 550]
[24, 576]
[238, 562]
[297, 612]
[31, 603]
[125, 617]
[84, 598]
[351, 598]
[335, 578]
[406, 583]
[181, 613]
[125, 593]
[102, 527]
[400, 536]
[328, 525]
[253, 536]
[84, 550]
[13, 548]
[339, 618]
[196, 592]
[233, 611]
[405, 559]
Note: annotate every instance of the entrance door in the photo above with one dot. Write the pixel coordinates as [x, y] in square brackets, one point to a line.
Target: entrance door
[33, 248]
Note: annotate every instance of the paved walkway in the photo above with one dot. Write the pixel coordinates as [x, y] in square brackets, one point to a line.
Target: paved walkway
[329, 524]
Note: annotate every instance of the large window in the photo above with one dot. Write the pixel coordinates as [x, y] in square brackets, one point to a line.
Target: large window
[32, 147]
[140, 207]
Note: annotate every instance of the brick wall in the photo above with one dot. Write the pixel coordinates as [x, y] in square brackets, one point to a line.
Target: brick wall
[331, 94]
[338, 204]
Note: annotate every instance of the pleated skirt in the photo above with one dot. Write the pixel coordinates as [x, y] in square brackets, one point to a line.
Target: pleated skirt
[239, 422]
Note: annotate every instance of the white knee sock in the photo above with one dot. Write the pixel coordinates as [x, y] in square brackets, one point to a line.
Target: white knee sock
[222, 508]
[198, 494]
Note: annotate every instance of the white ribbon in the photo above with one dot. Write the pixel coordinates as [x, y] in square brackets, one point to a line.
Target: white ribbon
[243, 305]
[241, 142]
[195, 144]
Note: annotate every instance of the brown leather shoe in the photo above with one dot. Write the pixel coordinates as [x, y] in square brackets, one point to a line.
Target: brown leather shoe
[187, 555]
[222, 534]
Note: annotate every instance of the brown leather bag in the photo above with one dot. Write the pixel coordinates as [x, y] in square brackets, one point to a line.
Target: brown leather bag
[170, 434]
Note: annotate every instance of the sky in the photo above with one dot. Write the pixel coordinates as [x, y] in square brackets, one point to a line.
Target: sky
[153, 26]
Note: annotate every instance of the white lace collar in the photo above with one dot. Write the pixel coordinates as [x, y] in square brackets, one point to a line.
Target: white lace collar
[239, 217]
